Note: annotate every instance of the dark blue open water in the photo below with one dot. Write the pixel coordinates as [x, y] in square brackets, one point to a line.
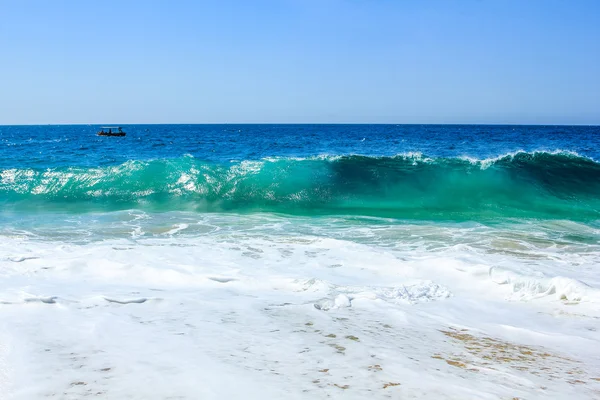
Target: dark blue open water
[78, 145]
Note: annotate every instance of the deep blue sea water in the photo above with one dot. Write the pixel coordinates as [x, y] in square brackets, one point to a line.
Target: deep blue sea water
[423, 172]
[77, 145]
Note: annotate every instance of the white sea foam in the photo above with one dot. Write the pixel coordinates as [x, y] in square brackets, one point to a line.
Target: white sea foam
[410, 293]
[261, 306]
[418, 156]
[178, 228]
[487, 162]
[528, 287]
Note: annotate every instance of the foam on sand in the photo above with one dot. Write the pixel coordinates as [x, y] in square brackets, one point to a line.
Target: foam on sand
[529, 287]
[241, 308]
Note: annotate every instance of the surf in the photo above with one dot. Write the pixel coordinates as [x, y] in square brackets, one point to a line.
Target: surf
[552, 185]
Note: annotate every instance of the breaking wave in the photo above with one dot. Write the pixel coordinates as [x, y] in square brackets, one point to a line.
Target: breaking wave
[518, 185]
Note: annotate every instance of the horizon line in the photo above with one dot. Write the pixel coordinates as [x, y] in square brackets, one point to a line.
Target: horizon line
[304, 123]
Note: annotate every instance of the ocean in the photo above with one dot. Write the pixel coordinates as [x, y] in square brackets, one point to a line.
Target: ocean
[300, 262]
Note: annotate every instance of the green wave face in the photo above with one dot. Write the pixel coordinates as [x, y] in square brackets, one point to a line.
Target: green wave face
[521, 185]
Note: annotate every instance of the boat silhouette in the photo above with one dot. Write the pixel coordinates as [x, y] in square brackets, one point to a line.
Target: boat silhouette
[111, 131]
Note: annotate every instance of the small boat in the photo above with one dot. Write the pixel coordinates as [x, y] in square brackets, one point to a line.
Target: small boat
[111, 131]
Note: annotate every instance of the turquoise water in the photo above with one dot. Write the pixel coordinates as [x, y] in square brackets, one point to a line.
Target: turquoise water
[531, 185]
[455, 173]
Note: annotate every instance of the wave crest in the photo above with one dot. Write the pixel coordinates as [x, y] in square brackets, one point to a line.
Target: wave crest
[557, 184]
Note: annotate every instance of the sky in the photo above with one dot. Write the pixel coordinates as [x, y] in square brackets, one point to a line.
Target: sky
[300, 61]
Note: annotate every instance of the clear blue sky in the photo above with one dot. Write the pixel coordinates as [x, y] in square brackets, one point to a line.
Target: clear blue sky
[397, 61]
